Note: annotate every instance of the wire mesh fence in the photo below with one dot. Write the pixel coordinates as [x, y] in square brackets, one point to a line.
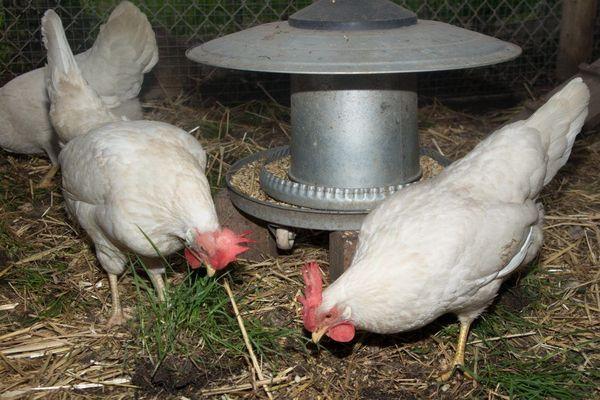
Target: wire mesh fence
[179, 24]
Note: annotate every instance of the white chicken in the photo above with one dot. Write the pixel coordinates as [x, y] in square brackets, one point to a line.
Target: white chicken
[445, 245]
[114, 66]
[134, 186]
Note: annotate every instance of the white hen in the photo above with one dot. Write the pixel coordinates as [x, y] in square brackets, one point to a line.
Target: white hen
[114, 66]
[446, 245]
[134, 186]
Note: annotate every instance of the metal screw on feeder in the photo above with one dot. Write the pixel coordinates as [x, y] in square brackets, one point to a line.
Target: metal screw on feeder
[353, 105]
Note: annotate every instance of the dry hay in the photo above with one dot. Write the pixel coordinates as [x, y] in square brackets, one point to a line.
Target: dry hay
[247, 178]
[54, 299]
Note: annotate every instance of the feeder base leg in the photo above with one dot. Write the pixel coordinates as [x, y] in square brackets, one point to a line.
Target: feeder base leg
[263, 245]
[342, 245]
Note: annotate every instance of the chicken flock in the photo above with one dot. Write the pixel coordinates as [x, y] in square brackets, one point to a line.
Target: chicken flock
[443, 245]
[114, 67]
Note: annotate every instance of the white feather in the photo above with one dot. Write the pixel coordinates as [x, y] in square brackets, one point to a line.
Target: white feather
[445, 245]
[124, 50]
[75, 108]
[125, 178]
[134, 186]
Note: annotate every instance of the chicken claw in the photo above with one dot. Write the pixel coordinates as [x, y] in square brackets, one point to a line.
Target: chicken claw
[459, 358]
[46, 181]
[117, 317]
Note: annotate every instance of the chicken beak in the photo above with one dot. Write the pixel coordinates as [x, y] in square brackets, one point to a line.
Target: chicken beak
[210, 271]
[318, 334]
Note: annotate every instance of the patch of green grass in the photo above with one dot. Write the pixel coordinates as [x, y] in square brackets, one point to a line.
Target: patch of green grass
[8, 243]
[554, 376]
[37, 277]
[47, 299]
[502, 321]
[524, 371]
[56, 305]
[557, 374]
[32, 277]
[197, 321]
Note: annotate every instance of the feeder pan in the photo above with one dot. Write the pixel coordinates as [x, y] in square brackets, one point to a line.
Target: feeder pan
[354, 134]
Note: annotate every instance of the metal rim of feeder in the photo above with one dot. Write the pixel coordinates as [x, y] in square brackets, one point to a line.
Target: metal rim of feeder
[298, 216]
[354, 92]
[328, 198]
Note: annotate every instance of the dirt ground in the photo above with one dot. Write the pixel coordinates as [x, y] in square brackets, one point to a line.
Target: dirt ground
[539, 340]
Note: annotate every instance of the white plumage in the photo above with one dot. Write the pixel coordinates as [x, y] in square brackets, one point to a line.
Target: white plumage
[445, 245]
[125, 180]
[134, 186]
[114, 66]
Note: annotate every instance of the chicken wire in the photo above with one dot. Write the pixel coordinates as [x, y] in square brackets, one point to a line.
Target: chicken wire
[532, 24]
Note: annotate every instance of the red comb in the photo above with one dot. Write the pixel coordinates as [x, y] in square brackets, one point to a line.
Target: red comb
[228, 247]
[241, 238]
[246, 233]
[217, 248]
[312, 294]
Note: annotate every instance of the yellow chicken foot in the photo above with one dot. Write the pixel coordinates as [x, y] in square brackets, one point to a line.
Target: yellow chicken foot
[459, 357]
[117, 317]
[159, 284]
[46, 181]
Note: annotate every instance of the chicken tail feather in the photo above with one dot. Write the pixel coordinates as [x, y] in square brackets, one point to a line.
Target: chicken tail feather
[75, 107]
[123, 52]
[60, 56]
[559, 121]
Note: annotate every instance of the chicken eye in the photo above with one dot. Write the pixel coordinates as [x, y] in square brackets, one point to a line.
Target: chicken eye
[327, 316]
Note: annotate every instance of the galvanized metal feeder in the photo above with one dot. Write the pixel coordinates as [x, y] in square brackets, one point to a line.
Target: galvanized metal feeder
[353, 104]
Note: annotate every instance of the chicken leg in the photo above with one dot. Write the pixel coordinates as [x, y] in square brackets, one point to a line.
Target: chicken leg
[117, 317]
[459, 357]
[158, 283]
[46, 181]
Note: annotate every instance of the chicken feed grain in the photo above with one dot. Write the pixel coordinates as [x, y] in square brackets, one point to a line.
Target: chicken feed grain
[247, 178]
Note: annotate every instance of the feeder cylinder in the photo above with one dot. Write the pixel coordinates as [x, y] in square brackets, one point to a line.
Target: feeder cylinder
[354, 131]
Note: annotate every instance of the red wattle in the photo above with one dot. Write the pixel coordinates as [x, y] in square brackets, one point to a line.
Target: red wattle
[342, 332]
[192, 259]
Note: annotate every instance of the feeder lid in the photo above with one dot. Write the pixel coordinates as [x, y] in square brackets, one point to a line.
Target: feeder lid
[353, 37]
[352, 15]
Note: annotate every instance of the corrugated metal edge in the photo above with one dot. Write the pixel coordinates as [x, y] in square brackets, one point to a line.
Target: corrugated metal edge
[325, 198]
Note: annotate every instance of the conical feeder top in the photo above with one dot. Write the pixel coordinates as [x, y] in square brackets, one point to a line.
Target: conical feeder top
[354, 138]
[353, 37]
